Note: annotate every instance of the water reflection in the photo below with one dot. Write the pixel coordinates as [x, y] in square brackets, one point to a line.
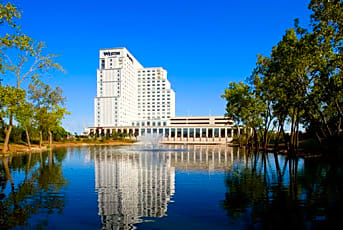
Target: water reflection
[131, 185]
[135, 185]
[37, 191]
[276, 192]
[210, 187]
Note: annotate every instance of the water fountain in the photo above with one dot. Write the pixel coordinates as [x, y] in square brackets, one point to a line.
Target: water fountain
[151, 139]
[150, 142]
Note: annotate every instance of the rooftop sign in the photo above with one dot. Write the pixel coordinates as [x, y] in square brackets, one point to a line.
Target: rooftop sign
[111, 53]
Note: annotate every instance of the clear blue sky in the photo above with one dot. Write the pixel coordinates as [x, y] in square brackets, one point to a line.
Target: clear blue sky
[203, 45]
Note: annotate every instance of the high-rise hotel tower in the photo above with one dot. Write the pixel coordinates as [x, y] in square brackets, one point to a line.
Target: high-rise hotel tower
[129, 94]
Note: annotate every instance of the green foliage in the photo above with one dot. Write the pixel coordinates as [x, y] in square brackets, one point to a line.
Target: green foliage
[10, 100]
[301, 83]
[26, 59]
[9, 14]
[48, 105]
[59, 133]
[43, 180]
[17, 135]
[242, 105]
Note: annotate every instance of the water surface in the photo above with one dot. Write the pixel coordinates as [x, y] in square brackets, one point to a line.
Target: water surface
[176, 187]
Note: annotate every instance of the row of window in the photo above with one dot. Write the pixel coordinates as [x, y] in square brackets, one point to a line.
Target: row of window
[153, 106]
[153, 89]
[153, 84]
[197, 132]
[142, 75]
[154, 118]
[148, 80]
[154, 98]
[148, 123]
[148, 71]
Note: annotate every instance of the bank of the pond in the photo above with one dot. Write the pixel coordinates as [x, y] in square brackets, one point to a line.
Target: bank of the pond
[305, 149]
[20, 148]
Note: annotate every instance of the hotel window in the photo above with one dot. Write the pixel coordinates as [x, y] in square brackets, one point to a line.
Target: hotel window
[191, 132]
[203, 132]
[178, 132]
[216, 132]
[229, 132]
[185, 132]
[166, 132]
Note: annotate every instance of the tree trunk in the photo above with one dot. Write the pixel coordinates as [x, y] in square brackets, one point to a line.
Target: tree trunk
[325, 122]
[40, 138]
[318, 137]
[41, 159]
[266, 129]
[7, 171]
[297, 134]
[338, 109]
[324, 133]
[291, 138]
[50, 138]
[339, 126]
[256, 140]
[51, 158]
[28, 166]
[7, 138]
[28, 138]
[276, 145]
[277, 166]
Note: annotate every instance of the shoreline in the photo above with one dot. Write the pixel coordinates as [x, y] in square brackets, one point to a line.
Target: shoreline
[19, 149]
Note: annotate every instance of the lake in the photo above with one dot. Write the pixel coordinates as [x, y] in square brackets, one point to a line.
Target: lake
[171, 187]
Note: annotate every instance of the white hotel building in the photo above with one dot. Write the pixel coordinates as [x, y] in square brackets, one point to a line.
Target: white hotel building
[129, 94]
[136, 100]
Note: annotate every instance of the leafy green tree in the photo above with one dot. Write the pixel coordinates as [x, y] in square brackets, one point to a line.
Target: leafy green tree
[22, 57]
[49, 107]
[10, 101]
[325, 114]
[59, 133]
[244, 107]
[263, 90]
[9, 14]
[25, 119]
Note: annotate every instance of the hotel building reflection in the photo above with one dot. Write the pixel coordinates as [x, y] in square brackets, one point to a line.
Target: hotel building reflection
[136, 184]
[132, 185]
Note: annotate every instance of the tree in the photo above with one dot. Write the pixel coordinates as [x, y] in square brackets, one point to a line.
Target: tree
[49, 107]
[25, 119]
[21, 56]
[9, 14]
[30, 63]
[10, 101]
[327, 24]
[244, 107]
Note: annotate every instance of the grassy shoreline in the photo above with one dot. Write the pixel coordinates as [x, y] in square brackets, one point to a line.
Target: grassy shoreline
[23, 148]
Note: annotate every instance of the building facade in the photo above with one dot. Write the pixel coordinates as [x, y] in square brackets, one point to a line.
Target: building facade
[156, 98]
[192, 130]
[128, 93]
[138, 101]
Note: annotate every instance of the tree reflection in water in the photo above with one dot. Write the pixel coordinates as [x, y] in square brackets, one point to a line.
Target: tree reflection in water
[271, 192]
[39, 192]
